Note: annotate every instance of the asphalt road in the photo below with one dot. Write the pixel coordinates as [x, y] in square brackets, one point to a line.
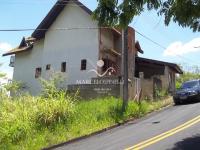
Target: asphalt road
[175, 128]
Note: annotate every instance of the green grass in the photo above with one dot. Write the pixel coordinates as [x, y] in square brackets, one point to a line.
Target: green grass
[36, 122]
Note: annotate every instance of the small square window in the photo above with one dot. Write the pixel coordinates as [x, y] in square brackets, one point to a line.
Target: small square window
[83, 64]
[48, 67]
[38, 72]
[63, 67]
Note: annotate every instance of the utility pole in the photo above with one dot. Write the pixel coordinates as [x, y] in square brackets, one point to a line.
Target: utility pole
[125, 67]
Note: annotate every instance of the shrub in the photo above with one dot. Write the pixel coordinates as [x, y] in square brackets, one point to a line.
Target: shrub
[28, 122]
[24, 115]
[53, 110]
[134, 109]
[14, 121]
[53, 85]
[15, 88]
[160, 93]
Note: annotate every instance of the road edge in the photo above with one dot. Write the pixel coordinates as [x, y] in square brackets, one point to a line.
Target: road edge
[127, 122]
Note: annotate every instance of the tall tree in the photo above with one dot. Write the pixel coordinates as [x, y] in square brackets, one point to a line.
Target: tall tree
[113, 13]
[184, 12]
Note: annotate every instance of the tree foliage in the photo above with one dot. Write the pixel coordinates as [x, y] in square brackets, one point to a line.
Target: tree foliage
[186, 77]
[2, 74]
[185, 12]
[189, 73]
[113, 13]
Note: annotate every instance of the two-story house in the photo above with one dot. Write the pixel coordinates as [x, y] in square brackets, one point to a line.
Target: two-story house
[70, 41]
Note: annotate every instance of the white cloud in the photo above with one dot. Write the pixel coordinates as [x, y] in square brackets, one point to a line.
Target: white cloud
[5, 47]
[179, 48]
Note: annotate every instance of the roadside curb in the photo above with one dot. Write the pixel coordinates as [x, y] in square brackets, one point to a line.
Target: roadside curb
[127, 122]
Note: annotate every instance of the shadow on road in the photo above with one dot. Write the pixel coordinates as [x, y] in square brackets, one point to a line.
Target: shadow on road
[192, 143]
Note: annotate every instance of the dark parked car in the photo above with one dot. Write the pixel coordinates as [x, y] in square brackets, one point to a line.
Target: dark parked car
[189, 92]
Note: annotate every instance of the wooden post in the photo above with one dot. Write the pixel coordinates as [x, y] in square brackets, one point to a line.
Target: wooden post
[125, 67]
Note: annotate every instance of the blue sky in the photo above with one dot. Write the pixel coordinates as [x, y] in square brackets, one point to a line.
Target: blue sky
[28, 14]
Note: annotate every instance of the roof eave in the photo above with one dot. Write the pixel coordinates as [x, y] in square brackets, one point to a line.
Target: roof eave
[179, 70]
[16, 52]
[175, 67]
[138, 47]
[141, 51]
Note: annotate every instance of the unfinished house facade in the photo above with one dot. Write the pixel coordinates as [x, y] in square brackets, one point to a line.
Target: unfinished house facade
[69, 41]
[156, 75]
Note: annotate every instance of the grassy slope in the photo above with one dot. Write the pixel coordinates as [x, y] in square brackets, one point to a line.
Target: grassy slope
[89, 116]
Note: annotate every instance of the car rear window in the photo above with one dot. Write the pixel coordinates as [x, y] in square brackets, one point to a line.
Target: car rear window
[190, 84]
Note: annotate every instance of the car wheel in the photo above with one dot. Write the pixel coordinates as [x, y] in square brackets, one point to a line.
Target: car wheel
[177, 103]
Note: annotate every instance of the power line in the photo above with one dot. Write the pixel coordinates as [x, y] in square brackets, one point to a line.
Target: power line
[163, 47]
[70, 28]
[94, 28]
[75, 5]
[150, 39]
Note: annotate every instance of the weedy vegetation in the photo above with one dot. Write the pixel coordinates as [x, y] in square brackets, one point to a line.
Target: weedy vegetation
[32, 123]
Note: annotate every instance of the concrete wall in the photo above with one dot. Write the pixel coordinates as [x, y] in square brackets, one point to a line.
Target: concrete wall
[70, 46]
[170, 79]
[107, 39]
[25, 65]
[168, 83]
[147, 88]
[118, 43]
[90, 91]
